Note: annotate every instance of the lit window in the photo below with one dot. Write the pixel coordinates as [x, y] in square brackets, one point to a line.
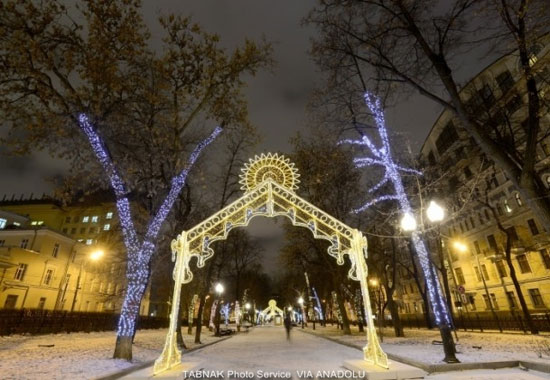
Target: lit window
[80, 240]
[16, 224]
[20, 272]
[518, 200]
[3, 223]
[109, 215]
[548, 180]
[33, 223]
[89, 241]
[106, 227]
[507, 206]
[48, 277]
[85, 219]
[95, 218]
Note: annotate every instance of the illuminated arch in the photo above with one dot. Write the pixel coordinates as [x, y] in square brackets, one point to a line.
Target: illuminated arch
[270, 194]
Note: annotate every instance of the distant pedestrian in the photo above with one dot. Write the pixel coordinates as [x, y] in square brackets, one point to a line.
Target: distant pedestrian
[288, 326]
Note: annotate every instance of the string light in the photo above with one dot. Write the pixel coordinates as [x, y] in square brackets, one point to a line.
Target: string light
[381, 156]
[139, 251]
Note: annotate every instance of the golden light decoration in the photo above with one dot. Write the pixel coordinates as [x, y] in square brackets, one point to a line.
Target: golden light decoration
[269, 166]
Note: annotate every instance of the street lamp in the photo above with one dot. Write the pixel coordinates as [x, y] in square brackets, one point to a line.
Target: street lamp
[219, 290]
[408, 223]
[463, 248]
[94, 256]
[435, 212]
[301, 302]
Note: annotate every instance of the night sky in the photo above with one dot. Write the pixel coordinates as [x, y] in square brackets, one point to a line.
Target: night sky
[277, 100]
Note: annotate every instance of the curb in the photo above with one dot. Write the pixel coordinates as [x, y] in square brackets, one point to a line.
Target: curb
[137, 367]
[431, 368]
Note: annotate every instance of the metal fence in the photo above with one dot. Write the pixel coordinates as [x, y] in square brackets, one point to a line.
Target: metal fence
[34, 321]
[473, 321]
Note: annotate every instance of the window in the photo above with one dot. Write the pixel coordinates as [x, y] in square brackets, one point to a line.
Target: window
[478, 275]
[83, 230]
[501, 269]
[523, 264]
[507, 206]
[11, 301]
[533, 227]
[512, 300]
[492, 242]
[3, 223]
[55, 250]
[459, 276]
[41, 303]
[446, 138]
[101, 287]
[536, 297]
[109, 215]
[48, 277]
[16, 224]
[519, 202]
[513, 104]
[476, 246]
[24, 243]
[2, 242]
[85, 219]
[511, 231]
[65, 230]
[95, 219]
[467, 172]
[20, 272]
[68, 219]
[472, 302]
[73, 230]
[545, 258]
[505, 81]
[493, 300]
[92, 230]
[89, 241]
[487, 95]
[485, 273]
[106, 227]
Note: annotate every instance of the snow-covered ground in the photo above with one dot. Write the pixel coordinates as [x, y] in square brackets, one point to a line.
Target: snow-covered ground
[77, 355]
[417, 345]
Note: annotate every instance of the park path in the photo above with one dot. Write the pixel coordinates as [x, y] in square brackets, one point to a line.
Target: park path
[265, 348]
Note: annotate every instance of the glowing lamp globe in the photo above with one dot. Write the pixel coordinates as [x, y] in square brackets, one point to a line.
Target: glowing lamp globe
[460, 246]
[96, 255]
[219, 288]
[301, 301]
[247, 306]
[408, 223]
[435, 212]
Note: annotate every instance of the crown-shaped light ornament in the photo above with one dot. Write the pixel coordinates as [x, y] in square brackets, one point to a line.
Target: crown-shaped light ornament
[269, 166]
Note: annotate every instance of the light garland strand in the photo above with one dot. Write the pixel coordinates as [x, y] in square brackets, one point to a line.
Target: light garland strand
[139, 254]
[381, 156]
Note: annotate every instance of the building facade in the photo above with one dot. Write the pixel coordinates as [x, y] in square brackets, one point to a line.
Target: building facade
[62, 258]
[481, 201]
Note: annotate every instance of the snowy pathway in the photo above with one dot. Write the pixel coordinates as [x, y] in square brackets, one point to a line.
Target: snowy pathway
[266, 349]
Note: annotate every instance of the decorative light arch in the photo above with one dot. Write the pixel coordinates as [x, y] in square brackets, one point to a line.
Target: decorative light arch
[269, 181]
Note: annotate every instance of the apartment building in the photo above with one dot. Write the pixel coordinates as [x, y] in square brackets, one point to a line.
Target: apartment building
[477, 194]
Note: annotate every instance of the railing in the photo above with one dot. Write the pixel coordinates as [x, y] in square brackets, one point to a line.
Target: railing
[480, 321]
[35, 321]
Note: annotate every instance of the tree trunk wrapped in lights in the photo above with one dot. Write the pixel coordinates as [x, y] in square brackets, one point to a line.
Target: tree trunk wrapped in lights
[139, 251]
[380, 156]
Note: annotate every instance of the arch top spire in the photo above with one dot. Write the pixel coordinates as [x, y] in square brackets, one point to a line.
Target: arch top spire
[270, 166]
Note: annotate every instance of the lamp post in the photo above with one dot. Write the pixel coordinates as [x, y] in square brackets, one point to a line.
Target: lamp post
[463, 248]
[376, 285]
[436, 214]
[247, 308]
[301, 303]
[219, 290]
[408, 224]
[94, 256]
